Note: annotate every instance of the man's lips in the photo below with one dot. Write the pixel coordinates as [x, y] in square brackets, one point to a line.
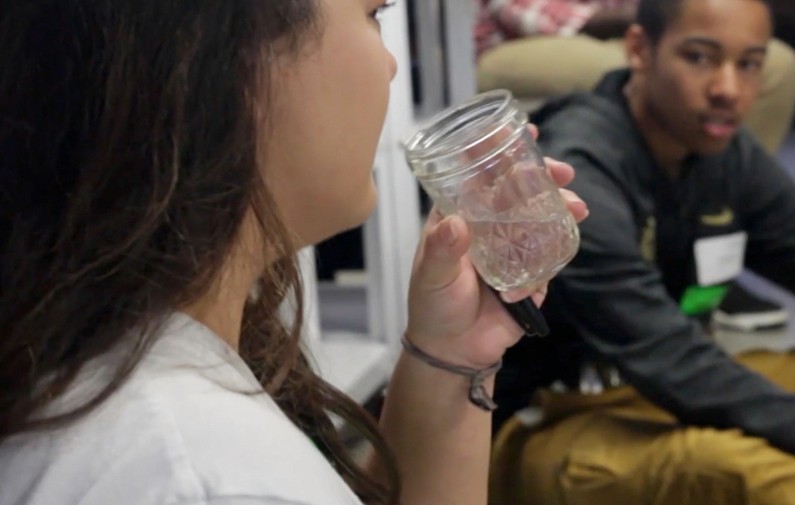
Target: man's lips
[719, 126]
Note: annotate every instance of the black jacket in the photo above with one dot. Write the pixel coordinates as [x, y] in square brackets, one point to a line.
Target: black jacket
[618, 300]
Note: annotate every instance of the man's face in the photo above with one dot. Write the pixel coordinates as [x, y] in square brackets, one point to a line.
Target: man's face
[705, 73]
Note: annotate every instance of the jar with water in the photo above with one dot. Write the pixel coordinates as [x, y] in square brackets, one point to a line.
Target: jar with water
[479, 161]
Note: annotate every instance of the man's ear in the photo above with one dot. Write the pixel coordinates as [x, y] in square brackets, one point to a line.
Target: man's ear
[638, 48]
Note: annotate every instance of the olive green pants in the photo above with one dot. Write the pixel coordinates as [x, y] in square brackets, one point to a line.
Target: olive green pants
[538, 68]
[618, 449]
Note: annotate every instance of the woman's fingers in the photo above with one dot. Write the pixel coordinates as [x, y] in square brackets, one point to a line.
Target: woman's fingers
[575, 204]
[438, 263]
[562, 173]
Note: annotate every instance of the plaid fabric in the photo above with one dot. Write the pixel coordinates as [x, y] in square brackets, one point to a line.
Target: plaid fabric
[500, 20]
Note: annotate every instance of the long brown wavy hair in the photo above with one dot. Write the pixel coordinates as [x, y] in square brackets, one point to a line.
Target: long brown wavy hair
[129, 154]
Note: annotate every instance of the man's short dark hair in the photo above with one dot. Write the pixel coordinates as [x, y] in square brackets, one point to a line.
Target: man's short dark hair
[655, 16]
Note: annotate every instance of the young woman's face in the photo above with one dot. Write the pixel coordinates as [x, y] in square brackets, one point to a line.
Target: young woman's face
[329, 107]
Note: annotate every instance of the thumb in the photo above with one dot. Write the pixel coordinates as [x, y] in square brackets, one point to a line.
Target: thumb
[439, 262]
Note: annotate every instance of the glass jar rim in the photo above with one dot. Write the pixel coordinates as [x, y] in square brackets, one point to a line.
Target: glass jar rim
[428, 144]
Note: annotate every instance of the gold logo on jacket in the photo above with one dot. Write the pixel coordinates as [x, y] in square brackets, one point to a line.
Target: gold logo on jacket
[722, 218]
[648, 240]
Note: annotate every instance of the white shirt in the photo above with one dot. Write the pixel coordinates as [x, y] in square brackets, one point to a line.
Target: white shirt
[179, 432]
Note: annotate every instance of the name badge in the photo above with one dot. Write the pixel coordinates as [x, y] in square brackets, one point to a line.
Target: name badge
[720, 259]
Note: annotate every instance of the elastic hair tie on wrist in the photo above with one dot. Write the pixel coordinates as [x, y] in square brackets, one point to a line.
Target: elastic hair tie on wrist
[477, 393]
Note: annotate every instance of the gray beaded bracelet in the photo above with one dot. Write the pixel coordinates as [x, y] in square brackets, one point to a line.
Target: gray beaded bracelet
[477, 393]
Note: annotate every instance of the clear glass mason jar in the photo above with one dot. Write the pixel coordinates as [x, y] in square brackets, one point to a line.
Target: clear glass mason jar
[479, 161]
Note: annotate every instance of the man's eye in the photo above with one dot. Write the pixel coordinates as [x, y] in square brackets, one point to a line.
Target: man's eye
[697, 58]
[751, 66]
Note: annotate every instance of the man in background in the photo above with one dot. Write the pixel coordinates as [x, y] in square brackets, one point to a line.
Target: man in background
[638, 403]
[541, 49]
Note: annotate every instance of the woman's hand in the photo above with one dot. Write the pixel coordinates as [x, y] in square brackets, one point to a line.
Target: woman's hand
[452, 315]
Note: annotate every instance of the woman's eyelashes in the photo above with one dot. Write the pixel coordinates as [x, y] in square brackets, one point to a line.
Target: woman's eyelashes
[377, 13]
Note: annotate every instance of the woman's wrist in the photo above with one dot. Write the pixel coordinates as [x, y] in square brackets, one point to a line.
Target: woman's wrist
[477, 393]
[466, 353]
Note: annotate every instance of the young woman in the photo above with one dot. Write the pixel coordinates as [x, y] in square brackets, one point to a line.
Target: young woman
[160, 163]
